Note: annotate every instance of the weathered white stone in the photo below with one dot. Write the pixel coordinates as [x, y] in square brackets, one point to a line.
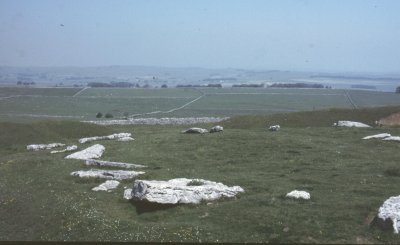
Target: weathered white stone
[107, 174]
[112, 164]
[94, 151]
[69, 148]
[377, 136]
[351, 124]
[216, 129]
[394, 138]
[128, 194]
[274, 128]
[108, 137]
[125, 139]
[391, 210]
[106, 186]
[195, 131]
[37, 147]
[179, 190]
[298, 194]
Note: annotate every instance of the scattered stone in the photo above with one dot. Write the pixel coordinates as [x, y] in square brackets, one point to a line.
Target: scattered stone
[107, 174]
[179, 190]
[106, 186]
[351, 124]
[274, 128]
[195, 131]
[389, 214]
[95, 151]
[161, 121]
[108, 137]
[112, 164]
[298, 194]
[394, 138]
[43, 146]
[216, 129]
[69, 148]
[377, 136]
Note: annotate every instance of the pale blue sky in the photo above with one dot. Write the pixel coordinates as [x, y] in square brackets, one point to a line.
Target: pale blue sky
[319, 35]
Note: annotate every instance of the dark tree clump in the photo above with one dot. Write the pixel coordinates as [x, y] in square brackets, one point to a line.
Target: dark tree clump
[109, 115]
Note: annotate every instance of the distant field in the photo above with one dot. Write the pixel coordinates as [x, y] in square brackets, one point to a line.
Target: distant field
[4, 92]
[25, 104]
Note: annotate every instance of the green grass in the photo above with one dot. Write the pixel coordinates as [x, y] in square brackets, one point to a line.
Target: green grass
[347, 177]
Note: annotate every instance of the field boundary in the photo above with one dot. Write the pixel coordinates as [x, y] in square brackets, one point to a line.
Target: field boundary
[80, 91]
[173, 109]
[350, 99]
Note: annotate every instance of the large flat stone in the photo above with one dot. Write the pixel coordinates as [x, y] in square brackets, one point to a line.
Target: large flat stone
[94, 151]
[180, 190]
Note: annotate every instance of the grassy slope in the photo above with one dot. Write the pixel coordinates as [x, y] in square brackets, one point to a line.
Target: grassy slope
[346, 176]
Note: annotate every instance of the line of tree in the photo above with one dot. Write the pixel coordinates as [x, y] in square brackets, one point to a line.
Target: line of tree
[398, 90]
[211, 85]
[114, 85]
[25, 83]
[248, 85]
[297, 85]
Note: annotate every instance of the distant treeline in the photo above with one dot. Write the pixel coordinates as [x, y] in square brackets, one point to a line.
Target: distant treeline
[25, 83]
[362, 86]
[115, 85]
[297, 85]
[248, 85]
[199, 86]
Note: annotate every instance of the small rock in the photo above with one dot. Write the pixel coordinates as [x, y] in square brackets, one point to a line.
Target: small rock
[216, 129]
[108, 137]
[351, 124]
[43, 146]
[377, 136]
[195, 131]
[125, 139]
[69, 148]
[298, 194]
[274, 128]
[106, 186]
[393, 138]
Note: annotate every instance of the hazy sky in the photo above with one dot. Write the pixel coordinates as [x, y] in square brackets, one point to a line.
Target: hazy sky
[320, 35]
